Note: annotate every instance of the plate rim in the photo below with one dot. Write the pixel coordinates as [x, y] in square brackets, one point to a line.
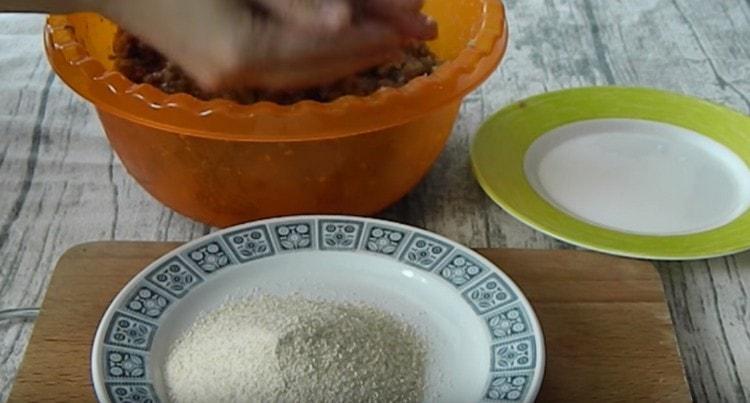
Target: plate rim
[612, 97]
[98, 346]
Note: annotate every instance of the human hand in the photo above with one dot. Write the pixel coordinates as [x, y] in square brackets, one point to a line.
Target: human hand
[274, 44]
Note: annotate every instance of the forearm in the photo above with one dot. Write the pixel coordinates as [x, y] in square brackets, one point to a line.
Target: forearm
[49, 6]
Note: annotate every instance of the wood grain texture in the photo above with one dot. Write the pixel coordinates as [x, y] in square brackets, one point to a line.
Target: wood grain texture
[605, 320]
[60, 184]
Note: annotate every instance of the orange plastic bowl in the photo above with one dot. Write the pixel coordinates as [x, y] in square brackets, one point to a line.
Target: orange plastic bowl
[222, 163]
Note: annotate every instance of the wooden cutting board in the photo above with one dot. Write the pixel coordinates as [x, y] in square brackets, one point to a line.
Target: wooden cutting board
[607, 327]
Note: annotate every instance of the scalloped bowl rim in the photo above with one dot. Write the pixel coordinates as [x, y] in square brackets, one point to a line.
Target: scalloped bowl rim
[101, 87]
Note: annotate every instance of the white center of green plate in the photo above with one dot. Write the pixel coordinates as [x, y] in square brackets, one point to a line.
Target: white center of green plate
[639, 177]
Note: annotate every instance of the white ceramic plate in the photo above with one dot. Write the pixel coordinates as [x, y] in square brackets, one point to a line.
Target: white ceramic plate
[485, 342]
[639, 177]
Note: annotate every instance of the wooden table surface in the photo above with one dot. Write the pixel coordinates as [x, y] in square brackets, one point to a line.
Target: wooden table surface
[586, 335]
[60, 184]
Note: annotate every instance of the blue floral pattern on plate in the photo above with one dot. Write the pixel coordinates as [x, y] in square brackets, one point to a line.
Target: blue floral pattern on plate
[511, 388]
[490, 293]
[383, 240]
[131, 329]
[125, 364]
[174, 277]
[251, 243]
[339, 234]
[131, 393]
[514, 355]
[209, 257]
[461, 270]
[425, 252]
[127, 331]
[294, 236]
[509, 322]
[147, 302]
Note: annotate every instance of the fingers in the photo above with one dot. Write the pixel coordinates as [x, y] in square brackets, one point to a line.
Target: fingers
[404, 15]
[364, 40]
[319, 74]
[315, 15]
[416, 26]
[277, 54]
[335, 15]
[303, 61]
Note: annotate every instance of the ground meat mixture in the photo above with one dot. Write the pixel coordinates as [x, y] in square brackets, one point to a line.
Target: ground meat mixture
[142, 64]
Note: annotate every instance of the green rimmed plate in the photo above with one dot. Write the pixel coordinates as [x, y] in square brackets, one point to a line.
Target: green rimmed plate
[627, 171]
